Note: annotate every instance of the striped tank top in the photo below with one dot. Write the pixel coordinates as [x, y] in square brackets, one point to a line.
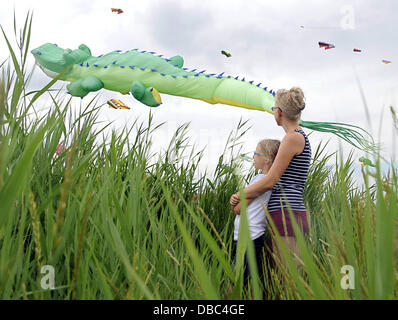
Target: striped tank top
[291, 184]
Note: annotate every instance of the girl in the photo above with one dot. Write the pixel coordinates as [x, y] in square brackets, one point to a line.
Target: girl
[263, 158]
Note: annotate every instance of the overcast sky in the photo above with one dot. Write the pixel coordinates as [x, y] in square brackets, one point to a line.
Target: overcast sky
[272, 42]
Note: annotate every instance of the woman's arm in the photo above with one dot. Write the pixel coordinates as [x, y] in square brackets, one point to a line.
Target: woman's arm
[292, 144]
[236, 209]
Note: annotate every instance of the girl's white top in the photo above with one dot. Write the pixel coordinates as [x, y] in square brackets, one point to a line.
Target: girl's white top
[255, 213]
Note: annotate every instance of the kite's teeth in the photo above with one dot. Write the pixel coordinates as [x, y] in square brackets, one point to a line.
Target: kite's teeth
[193, 70]
[114, 62]
[132, 67]
[259, 84]
[185, 76]
[174, 76]
[121, 66]
[143, 51]
[243, 79]
[202, 71]
[81, 64]
[167, 60]
[251, 82]
[105, 67]
[95, 65]
[236, 78]
[154, 70]
[220, 75]
[87, 65]
[184, 68]
[163, 74]
[265, 88]
[175, 65]
[118, 50]
[152, 52]
[209, 75]
[160, 55]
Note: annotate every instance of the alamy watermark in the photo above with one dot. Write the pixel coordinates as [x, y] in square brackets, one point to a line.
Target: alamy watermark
[48, 280]
[347, 21]
[348, 279]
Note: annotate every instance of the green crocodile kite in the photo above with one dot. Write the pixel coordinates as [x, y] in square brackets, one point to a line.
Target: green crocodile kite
[145, 75]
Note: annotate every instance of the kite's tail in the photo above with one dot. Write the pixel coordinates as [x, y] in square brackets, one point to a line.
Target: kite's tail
[354, 135]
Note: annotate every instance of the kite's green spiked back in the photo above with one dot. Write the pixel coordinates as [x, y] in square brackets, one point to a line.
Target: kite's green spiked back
[354, 135]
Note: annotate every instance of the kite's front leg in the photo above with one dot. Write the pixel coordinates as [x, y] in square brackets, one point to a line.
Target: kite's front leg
[148, 96]
[81, 87]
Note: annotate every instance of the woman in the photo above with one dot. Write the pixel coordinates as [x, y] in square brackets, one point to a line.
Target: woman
[288, 174]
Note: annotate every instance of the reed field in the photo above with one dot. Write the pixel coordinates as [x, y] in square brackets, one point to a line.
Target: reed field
[117, 221]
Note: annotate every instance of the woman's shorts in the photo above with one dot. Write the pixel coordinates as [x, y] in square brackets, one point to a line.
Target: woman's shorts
[283, 224]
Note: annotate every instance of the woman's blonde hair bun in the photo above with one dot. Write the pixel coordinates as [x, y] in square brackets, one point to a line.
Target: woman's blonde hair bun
[291, 102]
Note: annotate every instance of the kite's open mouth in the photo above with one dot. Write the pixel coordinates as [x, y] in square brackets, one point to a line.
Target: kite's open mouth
[48, 72]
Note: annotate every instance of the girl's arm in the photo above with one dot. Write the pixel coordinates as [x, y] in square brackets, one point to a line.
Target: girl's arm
[293, 143]
[236, 209]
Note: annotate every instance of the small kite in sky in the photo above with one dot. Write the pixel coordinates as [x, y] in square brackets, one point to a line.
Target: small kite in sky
[117, 104]
[386, 61]
[325, 45]
[226, 53]
[366, 162]
[119, 11]
[357, 50]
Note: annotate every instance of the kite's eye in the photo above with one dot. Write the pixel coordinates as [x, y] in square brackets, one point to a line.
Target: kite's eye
[38, 52]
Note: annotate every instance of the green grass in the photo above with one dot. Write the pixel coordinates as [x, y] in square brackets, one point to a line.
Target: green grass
[117, 221]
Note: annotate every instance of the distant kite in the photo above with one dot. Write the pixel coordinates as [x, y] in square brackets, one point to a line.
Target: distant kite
[325, 45]
[119, 11]
[366, 162]
[117, 104]
[226, 53]
[386, 61]
[357, 50]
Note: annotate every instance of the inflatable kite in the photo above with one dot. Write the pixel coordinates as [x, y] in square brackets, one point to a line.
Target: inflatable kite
[386, 61]
[117, 104]
[226, 53]
[366, 162]
[119, 11]
[146, 75]
[325, 45]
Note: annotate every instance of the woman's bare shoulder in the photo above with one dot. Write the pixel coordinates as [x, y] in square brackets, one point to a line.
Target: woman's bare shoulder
[294, 140]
